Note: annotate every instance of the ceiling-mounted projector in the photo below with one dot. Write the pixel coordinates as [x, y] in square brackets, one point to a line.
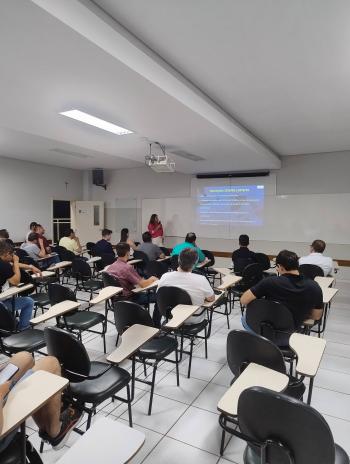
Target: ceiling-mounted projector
[159, 162]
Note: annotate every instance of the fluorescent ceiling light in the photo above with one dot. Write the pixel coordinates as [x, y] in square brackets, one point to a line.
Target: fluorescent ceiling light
[97, 122]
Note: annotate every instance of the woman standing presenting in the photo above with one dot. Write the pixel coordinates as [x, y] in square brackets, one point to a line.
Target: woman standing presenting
[155, 228]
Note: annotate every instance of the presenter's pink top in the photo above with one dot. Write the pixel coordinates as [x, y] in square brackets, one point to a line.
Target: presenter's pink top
[156, 230]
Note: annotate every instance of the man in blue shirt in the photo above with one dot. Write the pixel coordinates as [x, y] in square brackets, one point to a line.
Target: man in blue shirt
[103, 246]
[190, 242]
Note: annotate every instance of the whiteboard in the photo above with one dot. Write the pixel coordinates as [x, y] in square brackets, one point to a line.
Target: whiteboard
[292, 218]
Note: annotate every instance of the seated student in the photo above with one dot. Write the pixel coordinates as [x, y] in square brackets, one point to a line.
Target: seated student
[190, 242]
[54, 426]
[34, 247]
[316, 257]
[242, 257]
[4, 235]
[10, 274]
[39, 229]
[129, 278]
[70, 241]
[32, 226]
[124, 238]
[150, 249]
[104, 246]
[303, 297]
[197, 286]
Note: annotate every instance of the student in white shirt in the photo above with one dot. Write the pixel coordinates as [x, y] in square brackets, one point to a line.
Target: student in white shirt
[197, 286]
[316, 257]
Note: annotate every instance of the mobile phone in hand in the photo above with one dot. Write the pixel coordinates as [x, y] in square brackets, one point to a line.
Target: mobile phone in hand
[8, 372]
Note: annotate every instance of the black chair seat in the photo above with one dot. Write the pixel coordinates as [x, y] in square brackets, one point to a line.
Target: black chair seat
[340, 455]
[158, 348]
[193, 329]
[93, 284]
[83, 320]
[40, 299]
[27, 340]
[98, 390]
[211, 271]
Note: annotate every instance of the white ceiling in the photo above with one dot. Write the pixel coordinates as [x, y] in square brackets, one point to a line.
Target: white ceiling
[279, 68]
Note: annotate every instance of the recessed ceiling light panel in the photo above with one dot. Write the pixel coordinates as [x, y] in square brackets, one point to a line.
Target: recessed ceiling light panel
[97, 122]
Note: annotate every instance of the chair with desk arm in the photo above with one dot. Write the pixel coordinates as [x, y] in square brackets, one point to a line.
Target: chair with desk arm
[301, 437]
[106, 260]
[251, 275]
[126, 314]
[141, 266]
[244, 348]
[264, 260]
[210, 273]
[82, 273]
[91, 382]
[273, 321]
[167, 299]
[155, 268]
[13, 341]
[90, 248]
[77, 321]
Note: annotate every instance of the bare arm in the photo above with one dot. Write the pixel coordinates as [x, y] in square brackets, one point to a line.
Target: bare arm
[4, 389]
[78, 243]
[145, 282]
[247, 297]
[210, 298]
[30, 267]
[16, 278]
[316, 314]
[42, 252]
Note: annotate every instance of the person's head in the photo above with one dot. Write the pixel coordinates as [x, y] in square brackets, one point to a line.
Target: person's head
[4, 234]
[191, 237]
[187, 259]
[243, 240]
[154, 219]
[287, 261]
[107, 234]
[33, 237]
[6, 251]
[123, 250]
[32, 225]
[39, 229]
[318, 246]
[69, 233]
[147, 237]
[124, 234]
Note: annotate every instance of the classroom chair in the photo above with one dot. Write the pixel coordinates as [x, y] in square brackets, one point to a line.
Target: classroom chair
[126, 314]
[311, 271]
[82, 273]
[251, 275]
[280, 429]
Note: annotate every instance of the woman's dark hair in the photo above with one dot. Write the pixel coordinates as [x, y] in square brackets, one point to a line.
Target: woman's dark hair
[288, 259]
[122, 248]
[124, 234]
[147, 237]
[4, 234]
[32, 224]
[153, 219]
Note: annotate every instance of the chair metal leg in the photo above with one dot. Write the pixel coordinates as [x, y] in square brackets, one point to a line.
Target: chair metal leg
[152, 389]
[222, 444]
[177, 367]
[311, 385]
[206, 343]
[88, 424]
[129, 404]
[133, 379]
[190, 360]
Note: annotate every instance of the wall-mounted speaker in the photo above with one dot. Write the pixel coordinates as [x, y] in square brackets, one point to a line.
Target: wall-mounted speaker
[98, 178]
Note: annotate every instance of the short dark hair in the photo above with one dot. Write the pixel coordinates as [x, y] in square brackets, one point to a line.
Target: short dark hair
[106, 232]
[5, 247]
[122, 248]
[4, 233]
[32, 224]
[243, 240]
[190, 237]
[318, 245]
[33, 236]
[187, 259]
[67, 232]
[147, 237]
[288, 259]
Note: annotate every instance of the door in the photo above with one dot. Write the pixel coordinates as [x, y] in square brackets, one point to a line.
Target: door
[87, 219]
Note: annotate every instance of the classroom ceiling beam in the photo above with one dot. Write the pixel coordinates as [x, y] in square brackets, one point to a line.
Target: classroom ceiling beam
[95, 25]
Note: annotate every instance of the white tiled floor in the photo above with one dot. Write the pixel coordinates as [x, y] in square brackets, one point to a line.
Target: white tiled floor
[184, 421]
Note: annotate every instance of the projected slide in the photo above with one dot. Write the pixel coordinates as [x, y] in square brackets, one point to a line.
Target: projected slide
[230, 205]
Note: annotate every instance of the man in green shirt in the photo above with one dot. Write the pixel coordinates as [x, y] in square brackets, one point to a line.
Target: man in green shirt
[190, 242]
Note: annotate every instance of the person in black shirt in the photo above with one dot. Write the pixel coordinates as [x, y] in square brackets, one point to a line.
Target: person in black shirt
[10, 274]
[103, 246]
[303, 297]
[243, 256]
